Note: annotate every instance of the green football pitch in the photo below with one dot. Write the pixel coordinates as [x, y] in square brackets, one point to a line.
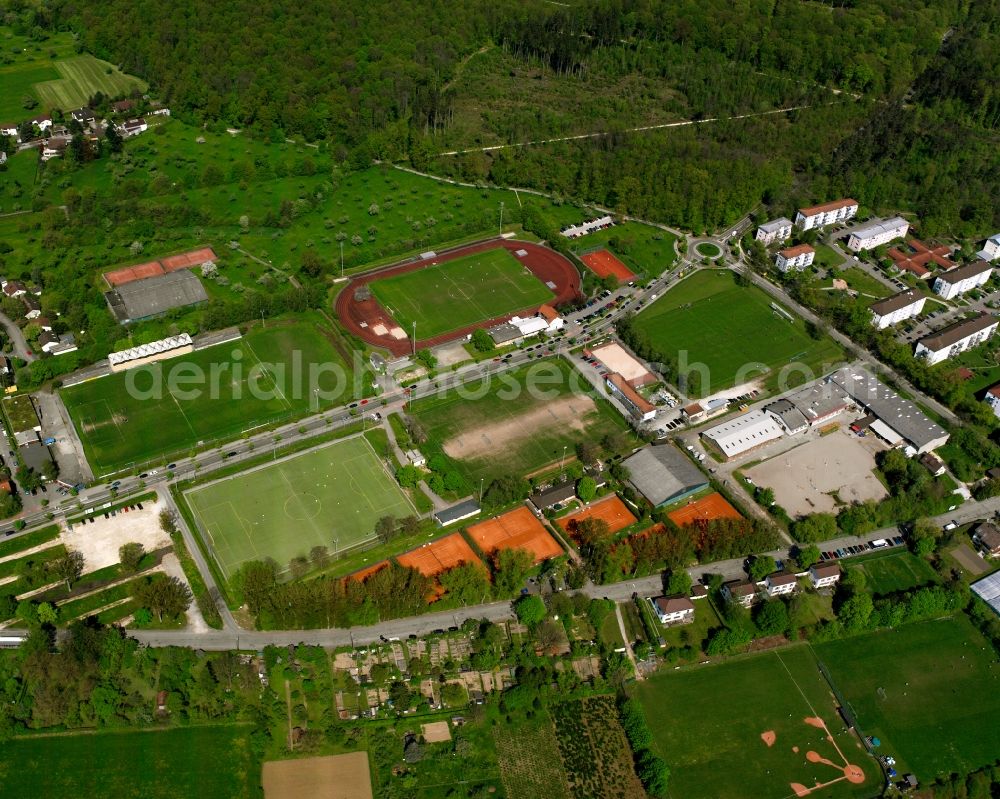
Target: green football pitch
[331, 496]
[129, 418]
[734, 331]
[458, 293]
[929, 690]
[751, 727]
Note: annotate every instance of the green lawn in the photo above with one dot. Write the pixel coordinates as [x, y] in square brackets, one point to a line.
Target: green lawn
[708, 250]
[272, 373]
[80, 78]
[898, 570]
[643, 248]
[707, 723]
[331, 496]
[458, 293]
[734, 331]
[517, 423]
[940, 693]
[207, 762]
[826, 256]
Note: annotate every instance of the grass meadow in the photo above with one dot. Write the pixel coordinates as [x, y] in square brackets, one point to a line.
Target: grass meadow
[503, 428]
[708, 722]
[80, 78]
[461, 292]
[120, 428]
[208, 762]
[645, 249]
[898, 570]
[929, 690]
[331, 496]
[727, 327]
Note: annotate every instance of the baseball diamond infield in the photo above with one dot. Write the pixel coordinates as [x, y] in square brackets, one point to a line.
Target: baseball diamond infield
[372, 323]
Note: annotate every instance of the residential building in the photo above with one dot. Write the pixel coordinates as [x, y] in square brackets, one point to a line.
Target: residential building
[673, 610]
[638, 406]
[876, 233]
[133, 127]
[42, 122]
[744, 433]
[13, 288]
[47, 340]
[798, 257]
[662, 474]
[991, 248]
[54, 147]
[779, 229]
[9, 130]
[986, 537]
[66, 343]
[32, 308]
[933, 464]
[122, 106]
[823, 575]
[993, 399]
[917, 257]
[897, 308]
[742, 591]
[83, 115]
[698, 591]
[964, 278]
[900, 414]
[826, 214]
[780, 583]
[956, 338]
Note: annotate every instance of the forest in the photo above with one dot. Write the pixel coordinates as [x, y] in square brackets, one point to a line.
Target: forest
[898, 102]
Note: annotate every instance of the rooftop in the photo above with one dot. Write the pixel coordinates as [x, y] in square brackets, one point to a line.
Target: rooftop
[797, 250]
[673, 604]
[630, 393]
[964, 272]
[745, 432]
[776, 224]
[740, 588]
[954, 333]
[463, 510]
[141, 299]
[825, 569]
[820, 400]
[663, 472]
[830, 206]
[988, 590]
[790, 416]
[879, 226]
[21, 413]
[902, 300]
[153, 348]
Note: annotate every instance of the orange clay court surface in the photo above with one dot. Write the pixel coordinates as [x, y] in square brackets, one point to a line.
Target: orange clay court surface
[119, 277]
[612, 510]
[603, 263]
[714, 506]
[438, 556]
[518, 529]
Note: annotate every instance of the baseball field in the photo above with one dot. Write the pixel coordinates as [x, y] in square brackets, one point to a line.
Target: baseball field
[930, 691]
[331, 496]
[129, 418]
[460, 292]
[729, 328]
[764, 726]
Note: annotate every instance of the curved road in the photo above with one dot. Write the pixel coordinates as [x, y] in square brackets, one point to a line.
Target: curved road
[20, 344]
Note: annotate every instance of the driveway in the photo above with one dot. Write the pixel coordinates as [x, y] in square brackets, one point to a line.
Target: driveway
[18, 342]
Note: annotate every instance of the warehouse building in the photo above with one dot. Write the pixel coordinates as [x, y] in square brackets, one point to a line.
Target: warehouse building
[744, 433]
[663, 474]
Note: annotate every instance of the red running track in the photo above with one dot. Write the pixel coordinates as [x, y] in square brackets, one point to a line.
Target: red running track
[360, 318]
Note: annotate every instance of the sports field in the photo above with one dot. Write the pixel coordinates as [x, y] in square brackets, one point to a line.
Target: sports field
[517, 423]
[331, 496]
[712, 506]
[733, 330]
[259, 379]
[764, 726]
[604, 263]
[162, 764]
[461, 292]
[612, 510]
[930, 691]
[518, 529]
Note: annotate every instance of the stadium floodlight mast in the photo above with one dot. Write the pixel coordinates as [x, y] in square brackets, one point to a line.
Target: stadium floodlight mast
[501, 217]
[341, 258]
[414, 338]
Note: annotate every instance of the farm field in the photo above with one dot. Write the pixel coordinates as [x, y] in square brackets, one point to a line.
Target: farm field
[519, 423]
[758, 738]
[158, 765]
[260, 384]
[528, 755]
[643, 248]
[333, 777]
[733, 331]
[929, 690]
[80, 78]
[330, 496]
[454, 294]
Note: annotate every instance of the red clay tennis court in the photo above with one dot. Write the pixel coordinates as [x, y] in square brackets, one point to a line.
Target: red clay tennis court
[714, 506]
[128, 274]
[612, 510]
[438, 556]
[603, 263]
[368, 571]
[518, 529]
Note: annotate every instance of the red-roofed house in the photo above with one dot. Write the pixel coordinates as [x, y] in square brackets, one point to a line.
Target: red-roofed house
[798, 257]
[921, 258]
[637, 405]
[551, 315]
[826, 214]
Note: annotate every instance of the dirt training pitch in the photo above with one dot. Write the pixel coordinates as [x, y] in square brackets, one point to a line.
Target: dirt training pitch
[332, 777]
[603, 263]
[518, 529]
[612, 510]
[369, 321]
[714, 506]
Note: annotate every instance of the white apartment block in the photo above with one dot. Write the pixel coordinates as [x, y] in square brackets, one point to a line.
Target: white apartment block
[897, 308]
[776, 230]
[964, 278]
[956, 338]
[826, 214]
[991, 249]
[795, 257]
[823, 575]
[875, 234]
[993, 400]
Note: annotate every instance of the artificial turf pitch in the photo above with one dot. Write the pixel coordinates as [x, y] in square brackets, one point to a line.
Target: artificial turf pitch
[120, 427]
[461, 292]
[711, 724]
[729, 327]
[331, 496]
